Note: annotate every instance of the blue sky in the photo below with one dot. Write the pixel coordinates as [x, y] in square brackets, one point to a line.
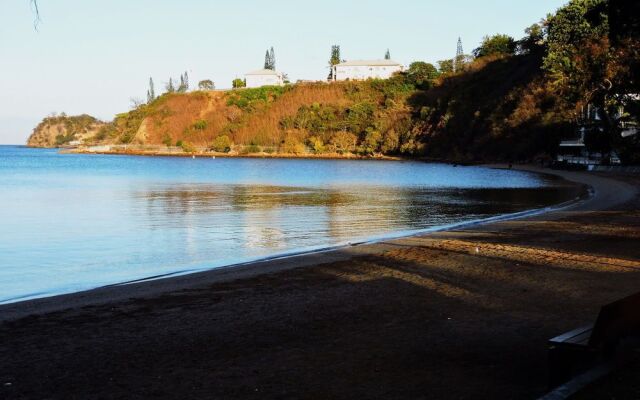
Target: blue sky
[93, 56]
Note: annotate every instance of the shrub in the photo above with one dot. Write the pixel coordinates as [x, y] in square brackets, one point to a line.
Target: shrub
[360, 117]
[221, 144]
[292, 145]
[371, 142]
[251, 149]
[343, 142]
[187, 147]
[238, 83]
[200, 125]
[317, 144]
[250, 99]
[64, 139]
[391, 142]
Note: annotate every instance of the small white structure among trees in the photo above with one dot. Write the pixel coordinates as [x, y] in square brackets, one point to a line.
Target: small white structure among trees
[360, 70]
[264, 77]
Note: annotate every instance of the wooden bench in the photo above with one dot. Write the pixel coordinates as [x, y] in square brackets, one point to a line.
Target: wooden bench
[614, 333]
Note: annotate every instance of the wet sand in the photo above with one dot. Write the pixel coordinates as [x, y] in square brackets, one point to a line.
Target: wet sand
[457, 314]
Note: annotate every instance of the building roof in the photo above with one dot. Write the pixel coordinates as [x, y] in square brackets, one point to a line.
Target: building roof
[263, 72]
[369, 63]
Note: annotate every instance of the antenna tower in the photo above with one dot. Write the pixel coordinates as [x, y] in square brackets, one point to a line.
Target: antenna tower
[457, 62]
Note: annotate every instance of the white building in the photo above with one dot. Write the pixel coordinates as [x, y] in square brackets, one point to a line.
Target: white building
[359, 70]
[264, 77]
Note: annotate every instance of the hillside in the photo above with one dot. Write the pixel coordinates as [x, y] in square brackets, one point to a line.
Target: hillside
[353, 117]
[499, 109]
[60, 130]
[483, 113]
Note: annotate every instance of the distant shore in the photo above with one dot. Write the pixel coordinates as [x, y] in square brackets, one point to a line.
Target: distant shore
[155, 153]
[365, 321]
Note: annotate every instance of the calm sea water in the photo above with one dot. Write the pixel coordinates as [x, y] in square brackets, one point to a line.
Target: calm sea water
[75, 222]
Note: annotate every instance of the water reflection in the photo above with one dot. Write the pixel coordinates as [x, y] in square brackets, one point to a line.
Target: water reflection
[279, 217]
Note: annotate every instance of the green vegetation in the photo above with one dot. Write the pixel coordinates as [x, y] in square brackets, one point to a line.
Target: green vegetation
[170, 88]
[334, 59]
[292, 145]
[222, 144]
[251, 99]
[270, 60]
[206, 84]
[373, 118]
[151, 92]
[200, 125]
[517, 99]
[129, 123]
[238, 83]
[187, 147]
[422, 74]
[496, 45]
[591, 60]
[184, 83]
[67, 128]
[445, 66]
[251, 149]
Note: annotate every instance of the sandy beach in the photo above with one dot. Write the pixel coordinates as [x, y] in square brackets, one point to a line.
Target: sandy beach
[459, 314]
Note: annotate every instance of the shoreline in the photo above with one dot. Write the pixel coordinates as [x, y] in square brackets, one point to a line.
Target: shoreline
[154, 153]
[463, 313]
[155, 285]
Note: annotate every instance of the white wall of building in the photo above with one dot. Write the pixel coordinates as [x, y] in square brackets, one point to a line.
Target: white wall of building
[364, 72]
[270, 78]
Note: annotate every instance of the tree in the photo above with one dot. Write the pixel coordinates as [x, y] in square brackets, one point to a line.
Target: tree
[371, 141]
[206, 84]
[170, 88]
[270, 59]
[588, 63]
[496, 44]
[272, 56]
[534, 40]
[238, 83]
[387, 55]
[334, 59]
[267, 60]
[343, 142]
[184, 83]
[151, 92]
[421, 74]
[445, 66]
[335, 55]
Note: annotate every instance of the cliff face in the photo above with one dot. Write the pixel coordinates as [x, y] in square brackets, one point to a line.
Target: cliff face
[58, 131]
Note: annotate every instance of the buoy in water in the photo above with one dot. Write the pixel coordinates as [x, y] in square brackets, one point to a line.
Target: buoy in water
[194, 157]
